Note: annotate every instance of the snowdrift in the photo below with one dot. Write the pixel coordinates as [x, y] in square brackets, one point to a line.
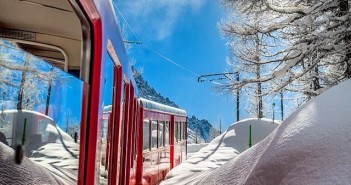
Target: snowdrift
[26, 173]
[312, 146]
[59, 157]
[221, 149]
[46, 147]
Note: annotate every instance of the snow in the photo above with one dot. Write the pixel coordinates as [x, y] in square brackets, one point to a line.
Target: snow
[193, 148]
[312, 146]
[55, 151]
[27, 173]
[193, 136]
[220, 150]
[59, 157]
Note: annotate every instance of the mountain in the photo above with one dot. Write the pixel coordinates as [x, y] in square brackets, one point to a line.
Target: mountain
[203, 128]
[148, 92]
[196, 127]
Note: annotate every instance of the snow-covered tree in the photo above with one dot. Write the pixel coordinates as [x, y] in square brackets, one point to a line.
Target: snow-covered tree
[25, 79]
[252, 55]
[313, 40]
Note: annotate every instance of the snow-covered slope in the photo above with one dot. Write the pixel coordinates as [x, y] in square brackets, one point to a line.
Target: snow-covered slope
[222, 149]
[194, 137]
[46, 147]
[203, 127]
[312, 146]
[27, 173]
[148, 92]
[59, 157]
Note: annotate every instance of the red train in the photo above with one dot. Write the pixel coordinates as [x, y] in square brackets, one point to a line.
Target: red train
[65, 74]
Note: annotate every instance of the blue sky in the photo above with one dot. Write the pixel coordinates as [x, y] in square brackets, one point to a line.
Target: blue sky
[185, 31]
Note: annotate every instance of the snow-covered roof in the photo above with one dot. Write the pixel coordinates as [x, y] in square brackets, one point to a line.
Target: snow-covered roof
[15, 111]
[148, 104]
[107, 108]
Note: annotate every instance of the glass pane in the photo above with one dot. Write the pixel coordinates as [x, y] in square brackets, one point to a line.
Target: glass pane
[153, 134]
[161, 134]
[146, 135]
[40, 111]
[176, 132]
[183, 131]
[166, 133]
[180, 131]
[106, 97]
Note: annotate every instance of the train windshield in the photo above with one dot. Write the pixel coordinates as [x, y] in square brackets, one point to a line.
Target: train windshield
[40, 112]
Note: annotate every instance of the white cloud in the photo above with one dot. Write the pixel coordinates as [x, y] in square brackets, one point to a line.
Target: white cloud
[157, 19]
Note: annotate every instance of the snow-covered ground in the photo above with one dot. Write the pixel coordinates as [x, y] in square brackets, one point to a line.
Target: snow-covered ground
[50, 153]
[193, 148]
[312, 146]
[27, 173]
[59, 157]
[222, 149]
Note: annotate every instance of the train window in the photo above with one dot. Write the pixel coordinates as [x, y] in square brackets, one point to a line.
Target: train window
[180, 131]
[176, 132]
[183, 125]
[106, 97]
[153, 134]
[41, 105]
[166, 133]
[146, 135]
[184, 130]
[161, 134]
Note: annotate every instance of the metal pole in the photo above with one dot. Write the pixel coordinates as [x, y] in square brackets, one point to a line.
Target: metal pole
[282, 104]
[237, 100]
[273, 106]
[250, 141]
[220, 126]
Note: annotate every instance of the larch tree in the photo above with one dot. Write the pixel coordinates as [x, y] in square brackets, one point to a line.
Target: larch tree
[25, 79]
[314, 38]
[251, 54]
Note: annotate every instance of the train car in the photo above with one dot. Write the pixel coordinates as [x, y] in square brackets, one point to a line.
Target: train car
[163, 129]
[66, 60]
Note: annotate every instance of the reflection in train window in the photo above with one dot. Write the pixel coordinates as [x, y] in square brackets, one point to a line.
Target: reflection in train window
[166, 133]
[153, 134]
[161, 134]
[40, 108]
[146, 135]
[180, 131]
[175, 132]
[184, 131]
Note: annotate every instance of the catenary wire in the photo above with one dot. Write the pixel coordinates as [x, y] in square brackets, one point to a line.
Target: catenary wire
[150, 49]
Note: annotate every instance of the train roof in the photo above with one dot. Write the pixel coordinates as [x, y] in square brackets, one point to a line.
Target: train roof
[148, 104]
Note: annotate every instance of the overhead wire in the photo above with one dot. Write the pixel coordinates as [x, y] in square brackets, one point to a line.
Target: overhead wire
[150, 49]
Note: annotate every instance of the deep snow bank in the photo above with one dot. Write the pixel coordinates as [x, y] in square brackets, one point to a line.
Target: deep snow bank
[26, 173]
[311, 147]
[193, 148]
[221, 149]
[59, 157]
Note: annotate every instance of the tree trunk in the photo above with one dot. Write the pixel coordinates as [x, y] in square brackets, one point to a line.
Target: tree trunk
[344, 9]
[258, 76]
[21, 87]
